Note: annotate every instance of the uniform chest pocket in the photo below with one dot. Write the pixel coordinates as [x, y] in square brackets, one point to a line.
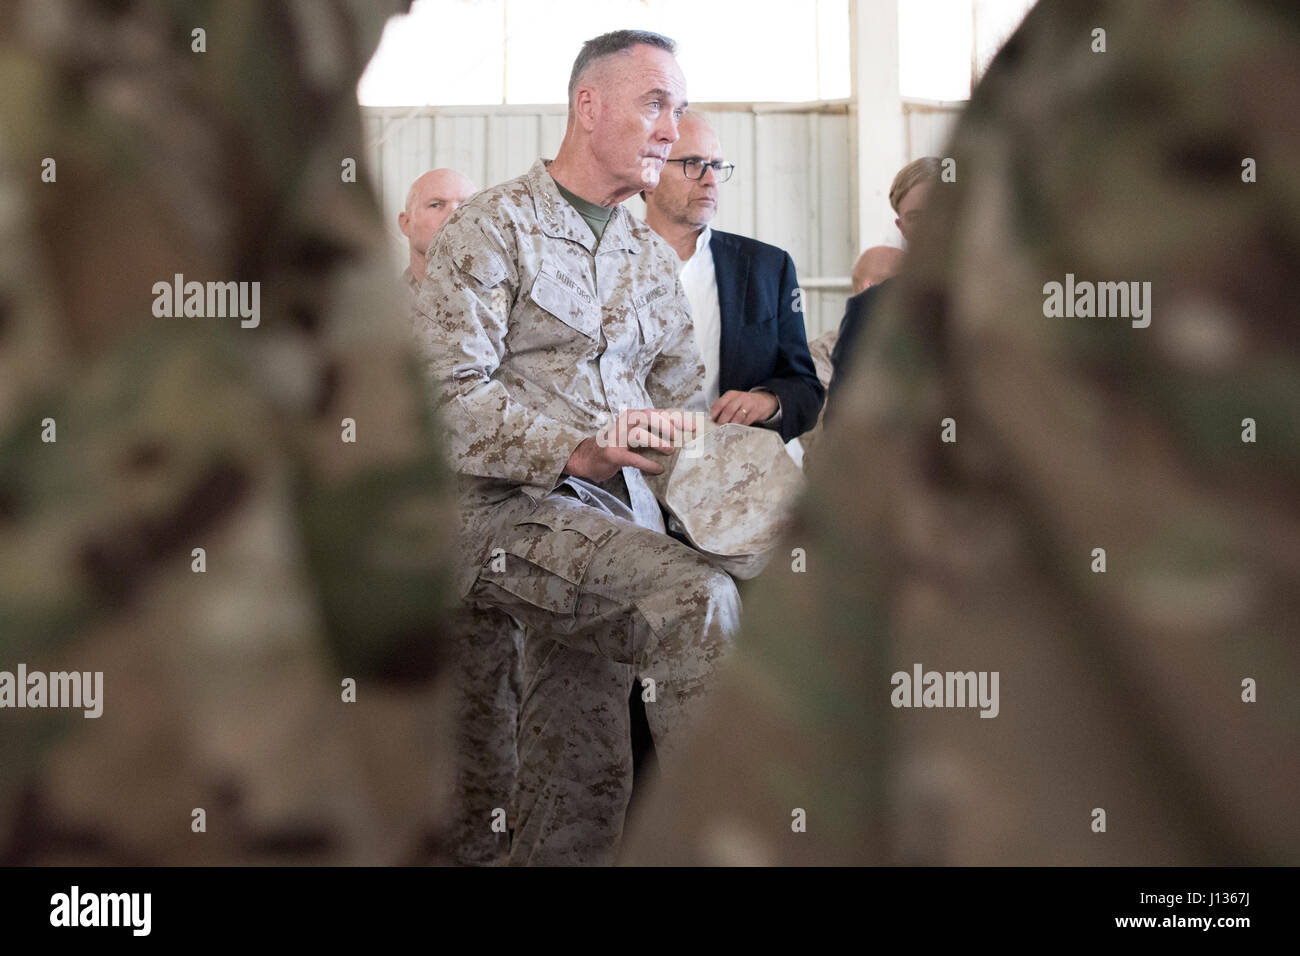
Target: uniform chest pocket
[561, 297]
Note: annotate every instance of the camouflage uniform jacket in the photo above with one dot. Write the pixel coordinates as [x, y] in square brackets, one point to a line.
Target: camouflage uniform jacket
[410, 282]
[534, 336]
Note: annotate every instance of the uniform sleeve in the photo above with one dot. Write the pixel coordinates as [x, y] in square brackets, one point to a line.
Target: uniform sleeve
[676, 379]
[461, 318]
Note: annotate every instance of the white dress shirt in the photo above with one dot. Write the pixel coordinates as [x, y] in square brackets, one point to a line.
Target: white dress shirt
[701, 286]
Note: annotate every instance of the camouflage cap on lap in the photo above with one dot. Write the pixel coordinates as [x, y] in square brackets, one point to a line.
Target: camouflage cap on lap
[729, 491]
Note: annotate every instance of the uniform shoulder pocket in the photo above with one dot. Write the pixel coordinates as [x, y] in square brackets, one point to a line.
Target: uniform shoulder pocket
[474, 257]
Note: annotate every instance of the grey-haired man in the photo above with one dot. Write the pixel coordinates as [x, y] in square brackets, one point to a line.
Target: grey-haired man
[557, 334]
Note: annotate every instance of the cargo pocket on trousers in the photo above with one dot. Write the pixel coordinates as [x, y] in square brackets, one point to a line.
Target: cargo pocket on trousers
[554, 551]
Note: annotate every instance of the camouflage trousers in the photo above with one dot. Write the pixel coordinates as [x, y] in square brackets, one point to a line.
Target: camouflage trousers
[604, 602]
[486, 677]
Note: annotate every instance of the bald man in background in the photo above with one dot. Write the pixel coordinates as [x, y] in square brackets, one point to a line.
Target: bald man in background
[431, 199]
[874, 266]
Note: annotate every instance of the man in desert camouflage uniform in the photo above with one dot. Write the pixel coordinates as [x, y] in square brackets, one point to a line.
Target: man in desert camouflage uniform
[486, 641]
[552, 321]
[1120, 691]
[222, 670]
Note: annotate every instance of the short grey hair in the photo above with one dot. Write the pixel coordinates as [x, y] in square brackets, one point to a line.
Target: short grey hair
[607, 44]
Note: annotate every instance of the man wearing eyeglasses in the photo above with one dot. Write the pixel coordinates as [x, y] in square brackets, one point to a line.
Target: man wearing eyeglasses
[742, 294]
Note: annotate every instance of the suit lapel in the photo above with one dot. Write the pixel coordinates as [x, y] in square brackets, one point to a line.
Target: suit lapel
[732, 272]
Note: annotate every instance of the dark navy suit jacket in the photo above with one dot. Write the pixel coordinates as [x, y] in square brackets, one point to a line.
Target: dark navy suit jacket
[857, 314]
[763, 339]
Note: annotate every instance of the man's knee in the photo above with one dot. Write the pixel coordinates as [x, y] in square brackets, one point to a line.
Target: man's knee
[700, 597]
[717, 595]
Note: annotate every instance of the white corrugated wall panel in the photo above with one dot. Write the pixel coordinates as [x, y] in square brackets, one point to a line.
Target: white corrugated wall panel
[928, 130]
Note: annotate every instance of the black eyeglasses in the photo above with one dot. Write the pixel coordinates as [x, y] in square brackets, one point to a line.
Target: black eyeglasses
[694, 168]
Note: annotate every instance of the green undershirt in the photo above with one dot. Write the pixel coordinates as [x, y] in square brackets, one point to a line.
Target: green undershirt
[596, 216]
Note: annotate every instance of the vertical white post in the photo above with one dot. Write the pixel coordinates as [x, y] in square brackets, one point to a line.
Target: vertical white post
[879, 131]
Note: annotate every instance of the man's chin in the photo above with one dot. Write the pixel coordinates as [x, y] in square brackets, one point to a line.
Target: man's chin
[649, 173]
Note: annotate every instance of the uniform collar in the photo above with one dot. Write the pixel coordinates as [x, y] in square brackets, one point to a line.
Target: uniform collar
[560, 220]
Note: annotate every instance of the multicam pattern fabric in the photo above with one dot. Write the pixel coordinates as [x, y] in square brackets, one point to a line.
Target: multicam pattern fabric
[323, 559]
[1127, 690]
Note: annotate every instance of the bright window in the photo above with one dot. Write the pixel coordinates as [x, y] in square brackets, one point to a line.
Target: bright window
[941, 42]
[477, 52]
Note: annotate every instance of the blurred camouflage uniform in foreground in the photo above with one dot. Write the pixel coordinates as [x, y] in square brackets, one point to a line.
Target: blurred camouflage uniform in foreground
[1121, 690]
[221, 689]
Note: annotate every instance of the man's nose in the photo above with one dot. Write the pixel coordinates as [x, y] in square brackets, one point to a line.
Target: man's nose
[667, 128]
[707, 174]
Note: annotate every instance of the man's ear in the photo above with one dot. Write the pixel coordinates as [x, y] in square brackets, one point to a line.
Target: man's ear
[899, 224]
[403, 221]
[586, 106]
